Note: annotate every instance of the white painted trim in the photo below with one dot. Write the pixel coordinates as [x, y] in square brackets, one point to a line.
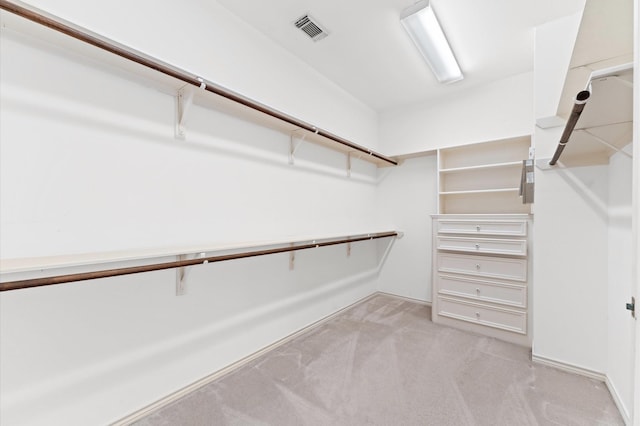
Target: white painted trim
[618, 401]
[405, 298]
[138, 415]
[569, 368]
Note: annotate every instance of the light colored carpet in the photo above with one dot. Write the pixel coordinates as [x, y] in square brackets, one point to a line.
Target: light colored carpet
[383, 362]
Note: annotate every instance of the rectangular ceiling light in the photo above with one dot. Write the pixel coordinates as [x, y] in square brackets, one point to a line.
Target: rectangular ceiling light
[425, 31]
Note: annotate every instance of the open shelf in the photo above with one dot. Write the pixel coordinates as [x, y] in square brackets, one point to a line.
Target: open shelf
[480, 191]
[482, 167]
[483, 177]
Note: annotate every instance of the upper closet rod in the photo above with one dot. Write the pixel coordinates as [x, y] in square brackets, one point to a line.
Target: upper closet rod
[578, 106]
[147, 61]
[106, 273]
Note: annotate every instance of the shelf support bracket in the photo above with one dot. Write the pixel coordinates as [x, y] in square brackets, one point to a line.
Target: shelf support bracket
[348, 249]
[293, 145]
[182, 272]
[184, 100]
[181, 277]
[605, 143]
[292, 259]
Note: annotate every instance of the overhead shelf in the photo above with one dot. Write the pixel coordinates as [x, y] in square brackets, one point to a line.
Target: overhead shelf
[166, 77]
[601, 67]
[605, 126]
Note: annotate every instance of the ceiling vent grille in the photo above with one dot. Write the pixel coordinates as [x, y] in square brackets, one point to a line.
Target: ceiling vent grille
[311, 27]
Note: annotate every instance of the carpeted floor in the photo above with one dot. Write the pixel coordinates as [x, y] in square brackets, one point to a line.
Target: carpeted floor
[383, 362]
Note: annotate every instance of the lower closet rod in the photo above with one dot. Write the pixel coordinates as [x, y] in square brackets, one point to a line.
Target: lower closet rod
[61, 279]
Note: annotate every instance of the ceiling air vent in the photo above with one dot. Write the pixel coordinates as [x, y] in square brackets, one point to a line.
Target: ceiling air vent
[311, 27]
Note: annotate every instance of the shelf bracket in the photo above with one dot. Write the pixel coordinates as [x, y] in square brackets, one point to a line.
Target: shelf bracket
[348, 249]
[182, 272]
[181, 277]
[622, 81]
[292, 259]
[605, 143]
[293, 145]
[348, 164]
[184, 100]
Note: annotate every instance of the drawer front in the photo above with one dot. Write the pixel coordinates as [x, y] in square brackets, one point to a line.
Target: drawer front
[483, 227]
[483, 245]
[483, 266]
[483, 291]
[505, 319]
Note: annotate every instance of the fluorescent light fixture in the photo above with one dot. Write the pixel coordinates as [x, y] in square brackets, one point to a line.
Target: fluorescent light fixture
[425, 31]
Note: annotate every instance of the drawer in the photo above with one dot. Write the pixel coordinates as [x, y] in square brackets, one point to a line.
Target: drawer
[483, 245]
[483, 266]
[491, 316]
[482, 227]
[483, 291]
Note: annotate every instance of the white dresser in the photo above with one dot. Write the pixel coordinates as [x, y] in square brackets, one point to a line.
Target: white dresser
[481, 271]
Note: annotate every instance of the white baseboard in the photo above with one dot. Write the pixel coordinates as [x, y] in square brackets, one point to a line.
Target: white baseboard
[138, 415]
[590, 374]
[569, 368]
[408, 299]
[618, 401]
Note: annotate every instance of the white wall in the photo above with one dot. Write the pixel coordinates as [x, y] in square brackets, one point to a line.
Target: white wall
[620, 283]
[498, 110]
[554, 43]
[570, 267]
[635, 187]
[405, 200]
[89, 164]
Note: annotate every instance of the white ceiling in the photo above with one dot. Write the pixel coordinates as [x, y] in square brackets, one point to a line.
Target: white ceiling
[369, 55]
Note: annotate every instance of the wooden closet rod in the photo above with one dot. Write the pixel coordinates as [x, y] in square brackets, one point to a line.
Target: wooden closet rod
[106, 273]
[578, 106]
[149, 62]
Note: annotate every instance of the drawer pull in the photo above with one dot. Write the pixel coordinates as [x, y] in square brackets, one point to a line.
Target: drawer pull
[478, 291]
[478, 316]
[478, 228]
[478, 266]
[477, 246]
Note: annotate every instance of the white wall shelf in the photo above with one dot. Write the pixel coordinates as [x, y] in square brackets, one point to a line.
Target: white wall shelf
[482, 167]
[16, 274]
[480, 191]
